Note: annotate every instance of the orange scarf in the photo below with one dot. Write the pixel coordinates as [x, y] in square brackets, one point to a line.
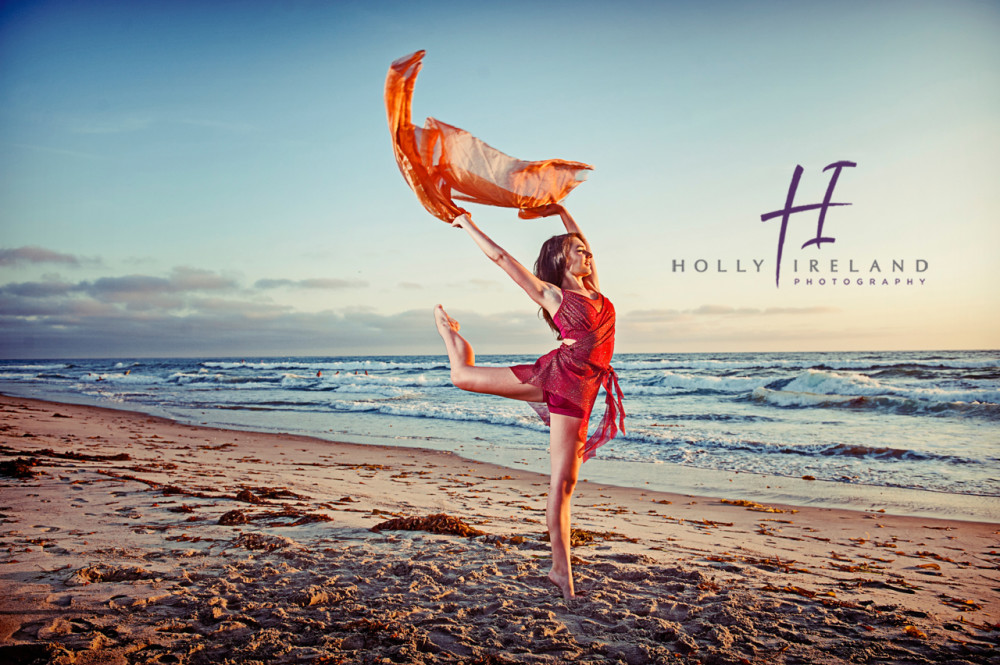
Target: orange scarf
[441, 162]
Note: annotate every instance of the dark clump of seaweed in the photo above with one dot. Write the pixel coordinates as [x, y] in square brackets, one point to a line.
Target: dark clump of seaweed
[438, 523]
[580, 537]
[234, 517]
[19, 468]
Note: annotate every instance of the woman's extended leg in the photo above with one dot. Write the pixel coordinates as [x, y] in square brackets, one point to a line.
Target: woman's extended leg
[464, 373]
[566, 437]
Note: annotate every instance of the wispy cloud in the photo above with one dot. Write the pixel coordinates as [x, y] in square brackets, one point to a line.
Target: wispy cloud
[190, 311]
[478, 284]
[144, 292]
[646, 316]
[185, 310]
[314, 283]
[33, 254]
[716, 327]
[725, 310]
[800, 310]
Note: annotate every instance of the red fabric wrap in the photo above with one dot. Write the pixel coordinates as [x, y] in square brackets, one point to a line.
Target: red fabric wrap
[578, 371]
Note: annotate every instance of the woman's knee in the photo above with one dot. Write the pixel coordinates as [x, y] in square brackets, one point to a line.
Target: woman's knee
[462, 378]
[565, 482]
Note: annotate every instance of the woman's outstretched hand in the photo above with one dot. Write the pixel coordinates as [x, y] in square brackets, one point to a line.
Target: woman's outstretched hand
[462, 221]
[546, 210]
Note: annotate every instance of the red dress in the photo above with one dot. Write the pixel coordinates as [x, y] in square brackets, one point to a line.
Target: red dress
[576, 372]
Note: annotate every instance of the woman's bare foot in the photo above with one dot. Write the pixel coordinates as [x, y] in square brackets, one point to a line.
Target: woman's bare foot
[564, 582]
[445, 323]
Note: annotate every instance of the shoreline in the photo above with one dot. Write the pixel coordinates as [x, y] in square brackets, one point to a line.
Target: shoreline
[139, 559]
[665, 477]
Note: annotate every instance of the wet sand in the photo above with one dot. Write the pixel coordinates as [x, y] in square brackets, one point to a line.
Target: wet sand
[131, 539]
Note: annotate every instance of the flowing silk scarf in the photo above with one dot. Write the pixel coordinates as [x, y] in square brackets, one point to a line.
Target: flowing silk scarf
[442, 163]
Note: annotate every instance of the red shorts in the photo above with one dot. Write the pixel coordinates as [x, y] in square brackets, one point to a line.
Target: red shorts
[562, 406]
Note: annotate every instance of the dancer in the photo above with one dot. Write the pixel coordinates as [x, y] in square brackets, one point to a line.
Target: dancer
[566, 380]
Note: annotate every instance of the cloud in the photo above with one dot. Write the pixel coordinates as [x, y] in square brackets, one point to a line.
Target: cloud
[220, 327]
[478, 284]
[223, 325]
[14, 307]
[129, 287]
[716, 327]
[724, 310]
[654, 315]
[134, 293]
[194, 279]
[196, 312]
[801, 310]
[50, 289]
[32, 254]
[314, 283]
[144, 292]
[250, 310]
[720, 310]
[190, 311]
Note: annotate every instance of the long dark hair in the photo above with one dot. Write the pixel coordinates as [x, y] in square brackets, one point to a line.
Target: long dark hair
[551, 266]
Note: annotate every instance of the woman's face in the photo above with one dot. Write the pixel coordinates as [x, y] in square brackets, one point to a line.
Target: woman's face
[578, 259]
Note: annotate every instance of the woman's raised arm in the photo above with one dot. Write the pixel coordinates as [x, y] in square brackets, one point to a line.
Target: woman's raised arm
[547, 296]
[571, 227]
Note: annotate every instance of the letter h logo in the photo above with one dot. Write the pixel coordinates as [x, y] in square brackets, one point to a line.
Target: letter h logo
[790, 209]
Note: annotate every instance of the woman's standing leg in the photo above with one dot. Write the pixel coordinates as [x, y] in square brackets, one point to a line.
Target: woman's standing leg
[566, 438]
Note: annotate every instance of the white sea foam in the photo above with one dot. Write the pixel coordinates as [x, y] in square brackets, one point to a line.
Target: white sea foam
[519, 417]
[887, 418]
[669, 382]
[900, 404]
[328, 365]
[131, 378]
[34, 367]
[855, 385]
[832, 362]
[18, 376]
[795, 398]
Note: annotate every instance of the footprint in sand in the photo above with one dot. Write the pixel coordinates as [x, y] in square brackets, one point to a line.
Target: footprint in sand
[46, 529]
[62, 626]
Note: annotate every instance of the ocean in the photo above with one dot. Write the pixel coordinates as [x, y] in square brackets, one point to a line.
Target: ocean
[906, 432]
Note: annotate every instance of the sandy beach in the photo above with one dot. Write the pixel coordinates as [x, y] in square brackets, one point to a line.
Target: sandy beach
[131, 539]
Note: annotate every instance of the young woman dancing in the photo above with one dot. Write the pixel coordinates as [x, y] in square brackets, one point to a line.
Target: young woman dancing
[567, 379]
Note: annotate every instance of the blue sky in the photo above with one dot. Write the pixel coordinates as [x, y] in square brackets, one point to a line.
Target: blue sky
[181, 178]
